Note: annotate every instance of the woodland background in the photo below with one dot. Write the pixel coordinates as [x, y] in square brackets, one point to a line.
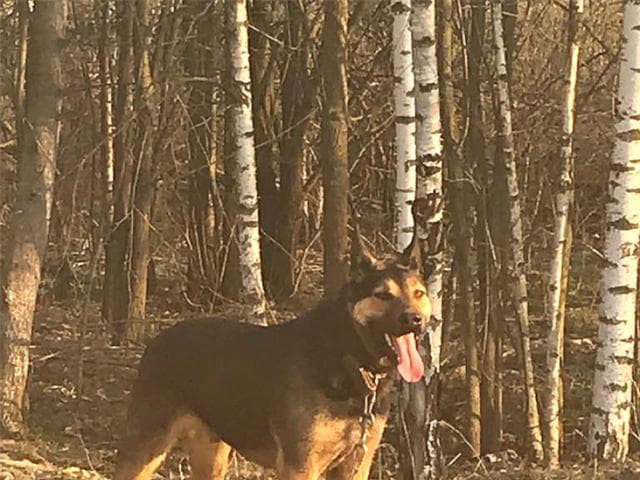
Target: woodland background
[142, 86]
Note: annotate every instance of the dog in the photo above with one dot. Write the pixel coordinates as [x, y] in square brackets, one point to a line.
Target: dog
[306, 398]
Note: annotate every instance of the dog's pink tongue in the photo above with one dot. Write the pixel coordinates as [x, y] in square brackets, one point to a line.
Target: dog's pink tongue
[410, 364]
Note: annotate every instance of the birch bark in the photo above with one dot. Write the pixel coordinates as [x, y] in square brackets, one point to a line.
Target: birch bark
[556, 294]
[426, 461]
[244, 174]
[612, 386]
[405, 122]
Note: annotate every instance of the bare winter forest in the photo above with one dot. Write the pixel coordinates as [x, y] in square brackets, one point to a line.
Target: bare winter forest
[166, 160]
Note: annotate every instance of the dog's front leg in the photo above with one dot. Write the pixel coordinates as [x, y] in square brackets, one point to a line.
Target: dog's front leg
[354, 467]
[297, 463]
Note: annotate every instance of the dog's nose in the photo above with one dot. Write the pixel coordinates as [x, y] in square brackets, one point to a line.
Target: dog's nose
[412, 319]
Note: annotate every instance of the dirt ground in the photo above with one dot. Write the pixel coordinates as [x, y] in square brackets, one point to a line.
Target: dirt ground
[76, 411]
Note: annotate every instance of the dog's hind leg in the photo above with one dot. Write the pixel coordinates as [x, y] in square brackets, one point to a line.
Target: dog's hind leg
[150, 434]
[140, 455]
[208, 455]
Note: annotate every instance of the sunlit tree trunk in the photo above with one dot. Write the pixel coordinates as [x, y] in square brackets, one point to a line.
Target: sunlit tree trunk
[143, 183]
[24, 256]
[420, 400]
[244, 162]
[517, 264]
[557, 289]
[612, 385]
[404, 103]
[334, 153]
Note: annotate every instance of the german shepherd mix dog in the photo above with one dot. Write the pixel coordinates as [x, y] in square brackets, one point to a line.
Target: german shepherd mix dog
[307, 398]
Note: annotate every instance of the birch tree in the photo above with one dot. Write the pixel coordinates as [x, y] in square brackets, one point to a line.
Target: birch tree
[244, 171]
[429, 150]
[32, 209]
[106, 116]
[517, 263]
[612, 385]
[405, 122]
[420, 406]
[557, 289]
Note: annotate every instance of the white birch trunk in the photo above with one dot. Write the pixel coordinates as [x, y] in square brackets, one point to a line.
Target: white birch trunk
[517, 261]
[612, 386]
[429, 186]
[556, 293]
[244, 174]
[405, 122]
[429, 149]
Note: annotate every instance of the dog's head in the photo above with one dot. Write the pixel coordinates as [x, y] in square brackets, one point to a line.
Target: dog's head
[390, 307]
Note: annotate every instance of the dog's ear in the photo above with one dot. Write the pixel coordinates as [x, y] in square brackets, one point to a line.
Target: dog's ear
[362, 260]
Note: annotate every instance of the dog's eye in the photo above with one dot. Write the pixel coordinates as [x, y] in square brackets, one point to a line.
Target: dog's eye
[419, 293]
[384, 296]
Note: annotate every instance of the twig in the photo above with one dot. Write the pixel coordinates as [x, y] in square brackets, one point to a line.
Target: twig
[302, 261]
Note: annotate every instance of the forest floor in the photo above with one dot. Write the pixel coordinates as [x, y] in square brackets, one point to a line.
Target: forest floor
[76, 413]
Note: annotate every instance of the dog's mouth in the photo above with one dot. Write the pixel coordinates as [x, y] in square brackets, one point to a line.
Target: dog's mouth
[409, 362]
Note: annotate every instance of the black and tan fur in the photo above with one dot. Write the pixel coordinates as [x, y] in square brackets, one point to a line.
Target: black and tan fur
[287, 397]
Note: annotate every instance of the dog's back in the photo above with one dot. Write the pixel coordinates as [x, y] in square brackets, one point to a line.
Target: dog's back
[209, 368]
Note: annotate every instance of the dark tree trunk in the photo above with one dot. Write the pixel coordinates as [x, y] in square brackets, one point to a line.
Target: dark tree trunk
[230, 260]
[298, 92]
[334, 151]
[30, 222]
[263, 62]
[464, 308]
[21, 64]
[202, 274]
[115, 303]
[475, 154]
